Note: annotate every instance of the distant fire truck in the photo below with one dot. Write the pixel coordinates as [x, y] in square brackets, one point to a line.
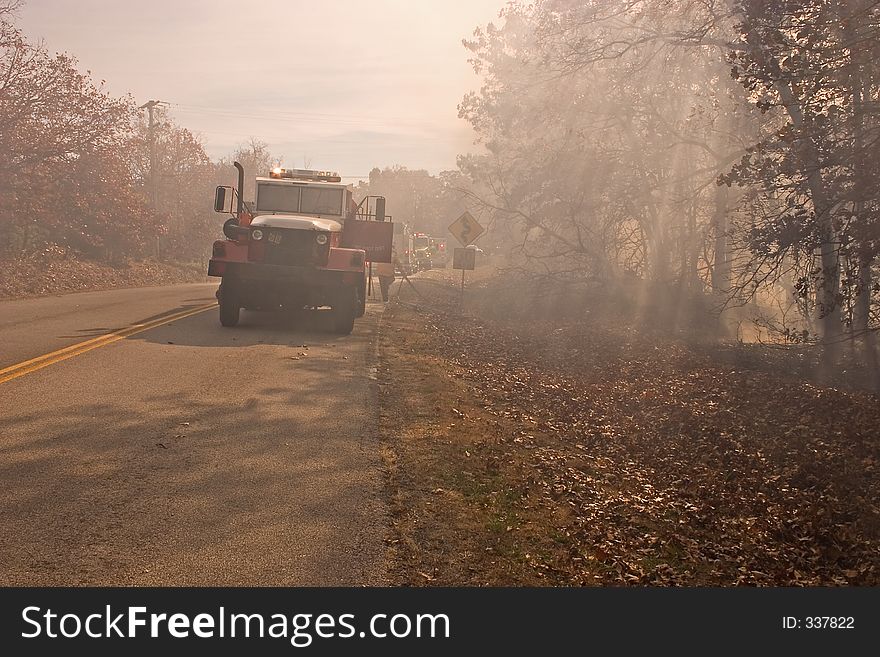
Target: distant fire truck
[287, 251]
[428, 252]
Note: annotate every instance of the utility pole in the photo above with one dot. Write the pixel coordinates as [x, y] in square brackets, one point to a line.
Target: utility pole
[150, 106]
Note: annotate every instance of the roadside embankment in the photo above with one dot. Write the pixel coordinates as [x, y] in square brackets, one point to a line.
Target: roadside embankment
[52, 274]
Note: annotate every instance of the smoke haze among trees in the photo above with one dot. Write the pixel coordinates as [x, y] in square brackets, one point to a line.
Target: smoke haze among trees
[726, 148]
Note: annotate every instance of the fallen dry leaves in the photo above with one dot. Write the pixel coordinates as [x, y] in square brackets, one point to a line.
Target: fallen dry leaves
[623, 458]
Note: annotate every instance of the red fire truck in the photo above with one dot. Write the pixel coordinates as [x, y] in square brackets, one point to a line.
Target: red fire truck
[428, 252]
[286, 252]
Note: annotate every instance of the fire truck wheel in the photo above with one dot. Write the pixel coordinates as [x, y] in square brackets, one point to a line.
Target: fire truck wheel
[344, 312]
[229, 308]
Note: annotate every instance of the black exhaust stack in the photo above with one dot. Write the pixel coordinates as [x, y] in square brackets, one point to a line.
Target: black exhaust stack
[240, 205]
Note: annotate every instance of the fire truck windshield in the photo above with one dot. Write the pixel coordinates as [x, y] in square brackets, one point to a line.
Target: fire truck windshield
[277, 198]
[316, 200]
[297, 199]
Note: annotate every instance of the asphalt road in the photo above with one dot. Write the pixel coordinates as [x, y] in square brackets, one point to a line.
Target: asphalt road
[186, 453]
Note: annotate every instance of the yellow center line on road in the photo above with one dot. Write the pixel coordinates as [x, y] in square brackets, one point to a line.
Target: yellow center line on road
[38, 363]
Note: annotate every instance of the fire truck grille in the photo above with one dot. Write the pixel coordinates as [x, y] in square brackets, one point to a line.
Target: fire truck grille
[289, 247]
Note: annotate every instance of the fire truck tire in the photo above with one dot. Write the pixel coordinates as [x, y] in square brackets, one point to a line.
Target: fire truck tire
[345, 311]
[229, 306]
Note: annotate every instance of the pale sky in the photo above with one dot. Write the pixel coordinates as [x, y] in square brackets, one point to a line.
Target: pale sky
[343, 84]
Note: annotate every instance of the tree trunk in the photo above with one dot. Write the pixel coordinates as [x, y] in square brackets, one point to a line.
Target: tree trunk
[828, 286]
[861, 312]
[862, 321]
[721, 268]
[693, 246]
[862, 309]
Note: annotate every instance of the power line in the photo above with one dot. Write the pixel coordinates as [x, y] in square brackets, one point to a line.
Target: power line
[280, 115]
[332, 140]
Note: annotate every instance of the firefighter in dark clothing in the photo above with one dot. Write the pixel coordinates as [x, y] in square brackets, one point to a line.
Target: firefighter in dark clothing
[385, 272]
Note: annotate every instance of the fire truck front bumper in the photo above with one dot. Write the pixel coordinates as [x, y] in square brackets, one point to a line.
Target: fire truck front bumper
[259, 272]
[260, 285]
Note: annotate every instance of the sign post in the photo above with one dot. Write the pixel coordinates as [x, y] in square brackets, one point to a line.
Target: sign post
[465, 229]
[464, 259]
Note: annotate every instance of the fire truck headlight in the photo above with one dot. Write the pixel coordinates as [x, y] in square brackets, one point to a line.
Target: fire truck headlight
[257, 234]
[321, 239]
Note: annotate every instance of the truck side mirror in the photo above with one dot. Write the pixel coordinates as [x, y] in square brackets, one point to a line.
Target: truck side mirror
[223, 199]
